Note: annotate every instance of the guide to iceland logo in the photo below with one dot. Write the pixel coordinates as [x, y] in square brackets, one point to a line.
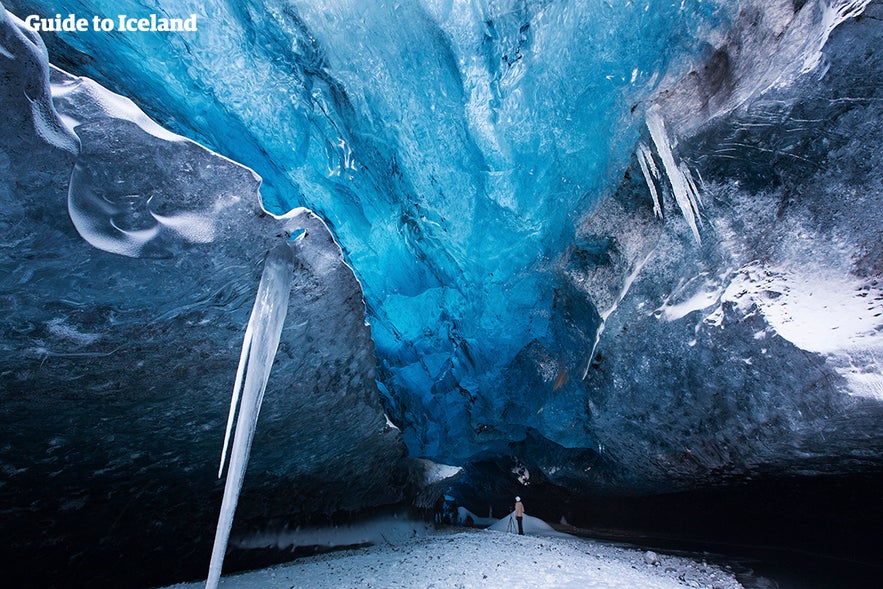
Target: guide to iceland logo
[122, 22]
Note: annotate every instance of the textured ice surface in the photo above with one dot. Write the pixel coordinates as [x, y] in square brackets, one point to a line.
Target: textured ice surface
[767, 332]
[117, 369]
[23, 51]
[451, 176]
[526, 234]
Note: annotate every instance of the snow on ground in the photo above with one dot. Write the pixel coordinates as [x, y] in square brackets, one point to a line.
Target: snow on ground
[462, 558]
[531, 525]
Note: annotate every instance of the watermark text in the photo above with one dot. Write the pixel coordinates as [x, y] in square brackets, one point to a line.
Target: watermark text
[71, 23]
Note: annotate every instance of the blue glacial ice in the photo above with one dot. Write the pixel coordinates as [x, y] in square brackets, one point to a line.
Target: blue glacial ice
[630, 245]
[457, 178]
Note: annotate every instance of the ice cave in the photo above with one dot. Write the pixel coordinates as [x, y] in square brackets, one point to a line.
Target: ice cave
[621, 258]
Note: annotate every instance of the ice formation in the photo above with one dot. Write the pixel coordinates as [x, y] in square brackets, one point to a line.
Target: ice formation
[261, 341]
[627, 245]
[472, 270]
[682, 185]
[127, 323]
[651, 173]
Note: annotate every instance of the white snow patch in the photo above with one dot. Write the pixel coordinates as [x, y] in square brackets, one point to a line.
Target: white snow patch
[699, 301]
[821, 310]
[864, 384]
[531, 525]
[477, 521]
[816, 309]
[434, 472]
[862, 369]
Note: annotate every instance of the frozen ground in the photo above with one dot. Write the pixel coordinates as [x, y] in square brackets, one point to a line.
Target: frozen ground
[464, 558]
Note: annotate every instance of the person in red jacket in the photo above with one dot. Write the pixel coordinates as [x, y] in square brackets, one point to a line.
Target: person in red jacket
[519, 515]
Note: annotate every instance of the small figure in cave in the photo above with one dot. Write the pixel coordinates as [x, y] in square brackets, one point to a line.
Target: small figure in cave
[519, 515]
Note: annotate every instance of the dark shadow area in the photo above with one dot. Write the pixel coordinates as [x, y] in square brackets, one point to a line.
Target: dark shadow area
[801, 532]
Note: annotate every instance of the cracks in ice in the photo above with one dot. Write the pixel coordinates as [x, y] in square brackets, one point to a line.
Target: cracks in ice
[259, 347]
[801, 44]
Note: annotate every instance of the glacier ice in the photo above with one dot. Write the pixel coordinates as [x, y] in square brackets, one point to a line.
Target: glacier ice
[369, 148]
[583, 230]
[456, 180]
[789, 225]
[132, 258]
[22, 49]
[651, 173]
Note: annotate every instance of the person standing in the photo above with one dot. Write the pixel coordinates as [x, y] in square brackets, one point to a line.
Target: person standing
[519, 515]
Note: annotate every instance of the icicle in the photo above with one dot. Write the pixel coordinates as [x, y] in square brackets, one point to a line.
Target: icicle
[265, 325]
[237, 387]
[693, 188]
[648, 167]
[683, 189]
[845, 9]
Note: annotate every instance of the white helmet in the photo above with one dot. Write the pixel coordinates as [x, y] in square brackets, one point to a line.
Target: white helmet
[518, 498]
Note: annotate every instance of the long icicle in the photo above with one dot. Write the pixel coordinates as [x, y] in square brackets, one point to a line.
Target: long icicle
[237, 388]
[268, 316]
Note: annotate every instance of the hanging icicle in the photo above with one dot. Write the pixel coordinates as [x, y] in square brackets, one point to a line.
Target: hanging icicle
[258, 351]
[649, 170]
[683, 188]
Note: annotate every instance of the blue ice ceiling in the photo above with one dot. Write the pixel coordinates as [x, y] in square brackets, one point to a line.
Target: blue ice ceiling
[451, 146]
[603, 247]
[496, 174]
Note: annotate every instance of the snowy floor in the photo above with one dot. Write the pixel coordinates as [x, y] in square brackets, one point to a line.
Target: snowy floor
[460, 558]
